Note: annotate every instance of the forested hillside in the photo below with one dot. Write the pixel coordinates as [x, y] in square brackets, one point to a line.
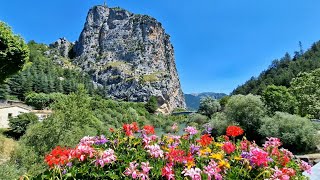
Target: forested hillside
[283, 70]
[42, 75]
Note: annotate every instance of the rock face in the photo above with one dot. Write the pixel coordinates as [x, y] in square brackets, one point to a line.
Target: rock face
[131, 56]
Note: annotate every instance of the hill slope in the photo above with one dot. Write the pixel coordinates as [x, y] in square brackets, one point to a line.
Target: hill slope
[282, 71]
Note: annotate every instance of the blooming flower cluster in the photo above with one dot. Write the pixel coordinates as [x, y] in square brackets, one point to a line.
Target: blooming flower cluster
[133, 152]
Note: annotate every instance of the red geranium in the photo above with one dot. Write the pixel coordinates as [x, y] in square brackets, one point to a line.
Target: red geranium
[176, 155]
[58, 156]
[205, 140]
[130, 128]
[149, 129]
[234, 131]
[228, 147]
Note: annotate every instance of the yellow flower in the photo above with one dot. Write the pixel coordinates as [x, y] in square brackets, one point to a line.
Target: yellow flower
[238, 158]
[205, 151]
[218, 144]
[190, 164]
[224, 163]
[217, 156]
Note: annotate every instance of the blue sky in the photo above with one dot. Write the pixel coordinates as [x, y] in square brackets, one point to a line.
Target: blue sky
[219, 44]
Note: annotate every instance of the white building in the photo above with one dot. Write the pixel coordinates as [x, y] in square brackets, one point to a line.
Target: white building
[10, 109]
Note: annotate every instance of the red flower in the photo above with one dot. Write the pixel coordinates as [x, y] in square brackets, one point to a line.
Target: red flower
[205, 140]
[58, 156]
[149, 129]
[234, 131]
[134, 126]
[111, 130]
[228, 147]
[127, 129]
[175, 155]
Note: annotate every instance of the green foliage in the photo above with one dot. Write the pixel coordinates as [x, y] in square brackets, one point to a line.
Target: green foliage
[278, 98]
[306, 89]
[209, 106]
[219, 124]
[72, 119]
[13, 52]
[9, 171]
[42, 100]
[223, 101]
[297, 134]
[198, 118]
[20, 123]
[152, 104]
[281, 72]
[42, 75]
[247, 111]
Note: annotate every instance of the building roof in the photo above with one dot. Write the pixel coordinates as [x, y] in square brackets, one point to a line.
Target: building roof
[4, 106]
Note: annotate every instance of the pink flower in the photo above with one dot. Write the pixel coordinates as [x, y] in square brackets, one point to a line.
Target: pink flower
[81, 152]
[272, 142]
[279, 175]
[167, 172]
[244, 145]
[305, 167]
[132, 170]
[193, 173]
[228, 147]
[191, 130]
[174, 127]
[154, 151]
[106, 158]
[259, 157]
[145, 167]
[213, 170]
[146, 140]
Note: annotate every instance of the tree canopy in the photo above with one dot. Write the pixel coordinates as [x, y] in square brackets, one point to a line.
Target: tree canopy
[13, 52]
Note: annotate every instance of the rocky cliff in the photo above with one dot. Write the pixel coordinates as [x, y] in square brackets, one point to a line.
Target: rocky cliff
[130, 55]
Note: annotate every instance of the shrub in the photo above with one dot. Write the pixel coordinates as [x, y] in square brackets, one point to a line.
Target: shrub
[297, 133]
[152, 104]
[209, 106]
[9, 171]
[219, 124]
[144, 156]
[20, 123]
[198, 118]
[247, 111]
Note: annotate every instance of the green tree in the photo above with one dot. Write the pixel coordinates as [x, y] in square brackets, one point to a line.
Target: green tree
[13, 52]
[20, 123]
[246, 111]
[209, 106]
[306, 89]
[38, 100]
[296, 133]
[152, 104]
[278, 98]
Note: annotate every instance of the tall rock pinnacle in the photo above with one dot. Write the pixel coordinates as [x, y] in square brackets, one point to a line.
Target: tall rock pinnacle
[131, 55]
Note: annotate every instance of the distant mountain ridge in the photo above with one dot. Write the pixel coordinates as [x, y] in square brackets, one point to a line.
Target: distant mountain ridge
[193, 99]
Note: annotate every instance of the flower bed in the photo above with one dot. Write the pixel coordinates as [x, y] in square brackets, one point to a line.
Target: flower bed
[134, 153]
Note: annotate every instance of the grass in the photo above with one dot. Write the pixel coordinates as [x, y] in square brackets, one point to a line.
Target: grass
[7, 146]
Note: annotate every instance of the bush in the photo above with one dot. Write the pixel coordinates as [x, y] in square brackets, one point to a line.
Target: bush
[278, 98]
[9, 171]
[247, 111]
[20, 123]
[209, 106]
[198, 118]
[219, 124]
[298, 134]
[152, 104]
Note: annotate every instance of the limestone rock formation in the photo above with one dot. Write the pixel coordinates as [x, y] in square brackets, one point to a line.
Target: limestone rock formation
[131, 56]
